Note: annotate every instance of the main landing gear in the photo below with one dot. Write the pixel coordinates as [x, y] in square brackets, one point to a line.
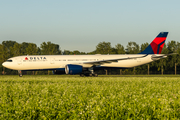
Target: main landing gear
[89, 75]
[89, 72]
[20, 73]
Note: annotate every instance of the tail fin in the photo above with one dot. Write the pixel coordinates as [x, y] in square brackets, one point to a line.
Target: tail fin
[156, 45]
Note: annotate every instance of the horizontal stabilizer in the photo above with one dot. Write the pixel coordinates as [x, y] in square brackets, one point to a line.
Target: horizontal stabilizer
[164, 55]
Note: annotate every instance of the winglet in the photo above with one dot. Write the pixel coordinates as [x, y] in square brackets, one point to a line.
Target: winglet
[156, 45]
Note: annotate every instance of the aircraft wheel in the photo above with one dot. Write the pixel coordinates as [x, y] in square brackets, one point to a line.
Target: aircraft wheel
[95, 75]
[20, 73]
[90, 75]
[82, 75]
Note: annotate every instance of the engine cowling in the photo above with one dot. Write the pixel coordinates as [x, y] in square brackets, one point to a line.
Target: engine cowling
[73, 69]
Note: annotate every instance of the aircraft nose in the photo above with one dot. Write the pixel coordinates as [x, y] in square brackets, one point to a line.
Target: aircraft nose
[4, 64]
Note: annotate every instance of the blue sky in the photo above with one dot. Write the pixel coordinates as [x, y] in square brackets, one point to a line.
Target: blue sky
[82, 24]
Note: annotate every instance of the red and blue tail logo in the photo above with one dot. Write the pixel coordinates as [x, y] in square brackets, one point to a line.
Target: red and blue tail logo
[156, 45]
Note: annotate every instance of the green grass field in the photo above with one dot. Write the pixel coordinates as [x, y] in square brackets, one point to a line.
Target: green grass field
[73, 97]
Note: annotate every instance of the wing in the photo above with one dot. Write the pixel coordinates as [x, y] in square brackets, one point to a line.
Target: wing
[111, 60]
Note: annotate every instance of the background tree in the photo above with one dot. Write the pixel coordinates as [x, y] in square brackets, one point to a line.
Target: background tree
[50, 49]
[132, 48]
[24, 46]
[3, 53]
[173, 59]
[144, 46]
[32, 49]
[178, 56]
[67, 52]
[113, 50]
[3, 57]
[76, 52]
[103, 48]
[172, 48]
[92, 53]
[120, 49]
[17, 49]
[8, 45]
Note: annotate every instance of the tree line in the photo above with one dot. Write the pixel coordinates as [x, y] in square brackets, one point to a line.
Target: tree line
[164, 66]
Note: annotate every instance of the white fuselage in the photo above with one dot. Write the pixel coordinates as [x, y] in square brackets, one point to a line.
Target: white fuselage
[48, 62]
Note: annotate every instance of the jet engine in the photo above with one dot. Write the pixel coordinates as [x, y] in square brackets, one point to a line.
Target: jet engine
[73, 69]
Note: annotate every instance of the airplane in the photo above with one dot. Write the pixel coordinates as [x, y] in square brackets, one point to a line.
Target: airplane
[86, 64]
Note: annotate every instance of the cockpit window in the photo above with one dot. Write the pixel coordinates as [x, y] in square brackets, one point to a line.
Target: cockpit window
[8, 60]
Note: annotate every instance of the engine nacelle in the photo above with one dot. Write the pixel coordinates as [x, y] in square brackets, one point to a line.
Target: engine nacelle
[73, 69]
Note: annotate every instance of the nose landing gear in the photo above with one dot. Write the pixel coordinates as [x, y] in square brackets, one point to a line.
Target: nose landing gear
[20, 73]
